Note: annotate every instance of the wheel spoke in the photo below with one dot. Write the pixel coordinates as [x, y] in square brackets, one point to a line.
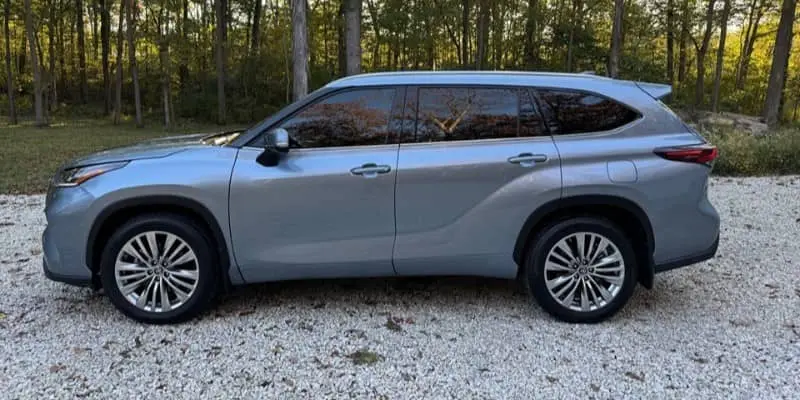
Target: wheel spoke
[185, 258]
[182, 296]
[133, 252]
[130, 267]
[612, 279]
[554, 283]
[605, 295]
[165, 304]
[141, 302]
[129, 288]
[580, 239]
[152, 243]
[180, 282]
[551, 266]
[584, 298]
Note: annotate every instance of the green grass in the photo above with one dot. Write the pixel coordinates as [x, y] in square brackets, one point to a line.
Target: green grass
[29, 156]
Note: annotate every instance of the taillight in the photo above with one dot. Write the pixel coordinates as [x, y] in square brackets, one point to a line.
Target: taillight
[701, 154]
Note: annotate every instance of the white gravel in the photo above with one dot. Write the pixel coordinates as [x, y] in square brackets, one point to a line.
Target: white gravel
[726, 328]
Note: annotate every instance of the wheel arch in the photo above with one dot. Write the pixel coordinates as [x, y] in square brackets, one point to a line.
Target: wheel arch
[121, 211]
[623, 212]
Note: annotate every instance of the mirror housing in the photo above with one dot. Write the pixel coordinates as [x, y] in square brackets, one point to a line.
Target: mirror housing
[278, 140]
[277, 143]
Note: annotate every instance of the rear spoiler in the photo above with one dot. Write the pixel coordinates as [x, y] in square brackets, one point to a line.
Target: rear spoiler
[657, 91]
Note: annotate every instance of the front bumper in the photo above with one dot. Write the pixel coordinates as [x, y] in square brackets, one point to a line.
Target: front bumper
[55, 268]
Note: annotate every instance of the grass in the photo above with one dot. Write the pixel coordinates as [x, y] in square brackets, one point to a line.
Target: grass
[29, 156]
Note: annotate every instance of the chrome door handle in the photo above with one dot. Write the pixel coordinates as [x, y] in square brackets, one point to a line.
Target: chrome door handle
[370, 170]
[527, 159]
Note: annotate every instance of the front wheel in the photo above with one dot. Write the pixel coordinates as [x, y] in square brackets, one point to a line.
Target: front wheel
[159, 269]
[581, 269]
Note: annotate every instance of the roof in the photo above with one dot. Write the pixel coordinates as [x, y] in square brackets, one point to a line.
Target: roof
[457, 77]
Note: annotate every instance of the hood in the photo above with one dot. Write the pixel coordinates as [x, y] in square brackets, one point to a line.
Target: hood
[155, 148]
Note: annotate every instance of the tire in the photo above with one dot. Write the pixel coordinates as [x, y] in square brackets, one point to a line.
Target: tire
[123, 269]
[545, 264]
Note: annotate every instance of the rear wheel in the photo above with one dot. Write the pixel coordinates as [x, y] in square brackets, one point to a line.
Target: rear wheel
[159, 269]
[581, 269]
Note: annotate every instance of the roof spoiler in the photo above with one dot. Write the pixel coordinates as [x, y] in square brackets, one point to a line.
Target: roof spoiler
[657, 91]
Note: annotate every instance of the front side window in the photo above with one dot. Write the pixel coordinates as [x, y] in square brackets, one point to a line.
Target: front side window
[572, 112]
[457, 113]
[352, 118]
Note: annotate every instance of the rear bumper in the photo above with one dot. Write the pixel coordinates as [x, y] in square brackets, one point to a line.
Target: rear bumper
[688, 260]
[83, 281]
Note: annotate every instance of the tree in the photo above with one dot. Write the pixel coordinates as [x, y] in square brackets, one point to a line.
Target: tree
[683, 40]
[105, 33]
[255, 35]
[130, 18]
[670, 42]
[352, 18]
[780, 59]
[12, 107]
[616, 39]
[751, 34]
[79, 26]
[726, 10]
[221, 38]
[702, 50]
[118, 83]
[299, 49]
[465, 62]
[164, 64]
[37, 72]
[483, 34]
[531, 35]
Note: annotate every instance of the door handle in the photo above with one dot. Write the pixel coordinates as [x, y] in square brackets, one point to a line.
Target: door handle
[370, 170]
[527, 159]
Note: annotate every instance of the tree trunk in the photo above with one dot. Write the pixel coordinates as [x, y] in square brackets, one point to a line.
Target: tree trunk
[670, 42]
[750, 41]
[571, 41]
[105, 33]
[616, 39]
[12, 106]
[81, 51]
[780, 57]
[376, 54]
[37, 72]
[131, 21]
[118, 83]
[221, 37]
[163, 56]
[701, 55]
[483, 34]
[720, 54]
[299, 50]
[255, 35]
[684, 39]
[465, 61]
[352, 36]
[52, 104]
[497, 34]
[531, 35]
[183, 68]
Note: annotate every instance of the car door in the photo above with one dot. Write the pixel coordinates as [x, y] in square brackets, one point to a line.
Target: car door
[327, 208]
[474, 163]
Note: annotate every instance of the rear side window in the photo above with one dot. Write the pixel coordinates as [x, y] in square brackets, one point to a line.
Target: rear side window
[461, 113]
[570, 112]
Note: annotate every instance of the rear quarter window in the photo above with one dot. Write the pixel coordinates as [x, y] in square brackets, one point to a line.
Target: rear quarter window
[570, 112]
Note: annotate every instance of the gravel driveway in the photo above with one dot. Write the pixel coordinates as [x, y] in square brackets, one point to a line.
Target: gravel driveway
[727, 328]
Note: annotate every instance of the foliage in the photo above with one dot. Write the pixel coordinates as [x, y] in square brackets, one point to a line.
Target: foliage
[569, 35]
[743, 154]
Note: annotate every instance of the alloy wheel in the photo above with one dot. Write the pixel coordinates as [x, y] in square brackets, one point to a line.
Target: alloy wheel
[156, 271]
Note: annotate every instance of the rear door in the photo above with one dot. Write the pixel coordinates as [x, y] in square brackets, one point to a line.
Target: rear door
[474, 163]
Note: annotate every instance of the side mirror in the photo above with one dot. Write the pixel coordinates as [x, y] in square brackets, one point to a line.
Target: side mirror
[277, 143]
[278, 139]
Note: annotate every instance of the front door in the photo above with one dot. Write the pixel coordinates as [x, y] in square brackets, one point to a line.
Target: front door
[477, 162]
[327, 209]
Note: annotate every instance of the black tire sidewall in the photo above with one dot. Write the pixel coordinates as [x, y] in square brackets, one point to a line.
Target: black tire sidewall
[536, 257]
[206, 288]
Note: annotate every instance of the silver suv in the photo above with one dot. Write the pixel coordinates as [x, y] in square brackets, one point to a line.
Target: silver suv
[577, 185]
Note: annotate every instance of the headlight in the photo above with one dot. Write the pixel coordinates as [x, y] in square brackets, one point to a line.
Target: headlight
[76, 176]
